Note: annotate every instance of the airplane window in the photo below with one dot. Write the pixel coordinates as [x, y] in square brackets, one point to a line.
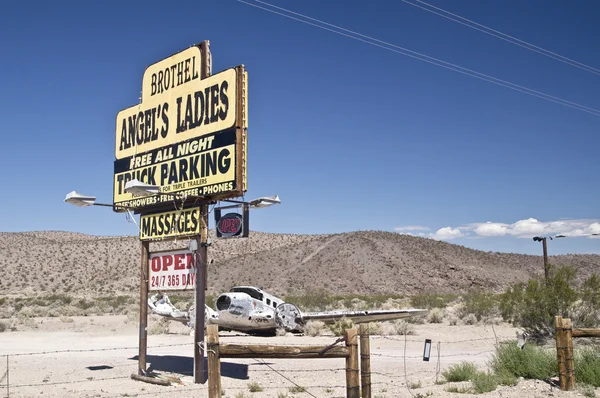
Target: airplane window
[268, 302]
[223, 303]
[250, 292]
[274, 304]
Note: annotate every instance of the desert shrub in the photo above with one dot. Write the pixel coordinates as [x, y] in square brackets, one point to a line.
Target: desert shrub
[84, 304]
[115, 304]
[469, 319]
[506, 378]
[311, 300]
[459, 389]
[297, 389]
[463, 371]
[339, 327]
[436, 315]
[160, 327]
[587, 391]
[320, 299]
[587, 366]
[478, 303]
[66, 319]
[430, 300]
[484, 382]
[132, 316]
[375, 328]
[280, 332]
[3, 326]
[587, 310]
[254, 387]
[403, 328]
[533, 306]
[531, 362]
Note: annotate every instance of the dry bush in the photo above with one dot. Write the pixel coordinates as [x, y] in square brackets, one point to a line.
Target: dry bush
[417, 320]
[25, 313]
[314, 328]
[132, 316]
[340, 326]
[470, 319]
[358, 304]
[404, 328]
[388, 329]
[436, 315]
[280, 332]
[66, 319]
[3, 326]
[452, 320]
[394, 303]
[375, 328]
[159, 327]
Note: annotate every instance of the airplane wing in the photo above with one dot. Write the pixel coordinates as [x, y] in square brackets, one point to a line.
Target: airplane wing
[162, 306]
[362, 316]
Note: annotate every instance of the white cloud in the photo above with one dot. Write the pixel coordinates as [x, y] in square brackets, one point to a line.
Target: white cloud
[491, 229]
[531, 227]
[594, 228]
[526, 228]
[447, 233]
[412, 228]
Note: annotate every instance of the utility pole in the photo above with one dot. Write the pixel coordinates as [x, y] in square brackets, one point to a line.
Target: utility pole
[546, 265]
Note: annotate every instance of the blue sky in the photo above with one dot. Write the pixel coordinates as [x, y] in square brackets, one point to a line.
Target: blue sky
[351, 136]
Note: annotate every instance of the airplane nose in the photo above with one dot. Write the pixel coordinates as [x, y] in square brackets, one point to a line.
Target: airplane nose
[223, 302]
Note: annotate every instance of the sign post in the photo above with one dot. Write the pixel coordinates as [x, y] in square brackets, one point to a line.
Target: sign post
[187, 140]
[143, 342]
[200, 295]
[202, 256]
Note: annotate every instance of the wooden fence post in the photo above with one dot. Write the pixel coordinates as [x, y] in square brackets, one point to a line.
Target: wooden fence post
[365, 361]
[560, 352]
[352, 379]
[214, 361]
[569, 362]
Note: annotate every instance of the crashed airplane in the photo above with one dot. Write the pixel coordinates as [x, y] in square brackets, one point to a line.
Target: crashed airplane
[251, 310]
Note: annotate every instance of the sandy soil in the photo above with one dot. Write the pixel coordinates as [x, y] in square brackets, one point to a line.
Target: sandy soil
[95, 356]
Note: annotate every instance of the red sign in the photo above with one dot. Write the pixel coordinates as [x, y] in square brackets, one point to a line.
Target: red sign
[171, 270]
[230, 224]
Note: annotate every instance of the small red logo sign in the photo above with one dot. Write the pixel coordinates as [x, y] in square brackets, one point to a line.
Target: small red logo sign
[230, 224]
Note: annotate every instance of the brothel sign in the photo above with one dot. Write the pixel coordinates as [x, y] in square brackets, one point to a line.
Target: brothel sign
[171, 270]
[173, 137]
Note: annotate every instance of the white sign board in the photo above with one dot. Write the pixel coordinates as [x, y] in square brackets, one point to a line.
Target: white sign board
[171, 270]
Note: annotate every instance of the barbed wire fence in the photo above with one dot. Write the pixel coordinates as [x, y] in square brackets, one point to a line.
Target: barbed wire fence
[282, 376]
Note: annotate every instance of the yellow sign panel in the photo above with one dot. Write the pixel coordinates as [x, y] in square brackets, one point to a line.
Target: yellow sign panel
[171, 224]
[181, 112]
[172, 73]
[209, 166]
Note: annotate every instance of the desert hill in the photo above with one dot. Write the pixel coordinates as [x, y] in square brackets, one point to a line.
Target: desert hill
[365, 262]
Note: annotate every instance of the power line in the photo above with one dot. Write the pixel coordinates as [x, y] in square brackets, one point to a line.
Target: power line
[503, 36]
[422, 57]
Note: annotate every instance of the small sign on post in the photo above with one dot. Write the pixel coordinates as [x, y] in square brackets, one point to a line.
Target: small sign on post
[171, 270]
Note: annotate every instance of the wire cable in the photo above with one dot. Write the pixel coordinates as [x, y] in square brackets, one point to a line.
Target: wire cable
[503, 36]
[422, 57]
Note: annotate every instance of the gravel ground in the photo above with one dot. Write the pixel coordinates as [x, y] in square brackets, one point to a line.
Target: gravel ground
[97, 355]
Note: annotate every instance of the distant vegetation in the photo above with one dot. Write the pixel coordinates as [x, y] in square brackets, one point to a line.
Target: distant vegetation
[534, 305]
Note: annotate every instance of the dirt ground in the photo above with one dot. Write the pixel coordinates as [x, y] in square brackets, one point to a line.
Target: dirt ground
[95, 357]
